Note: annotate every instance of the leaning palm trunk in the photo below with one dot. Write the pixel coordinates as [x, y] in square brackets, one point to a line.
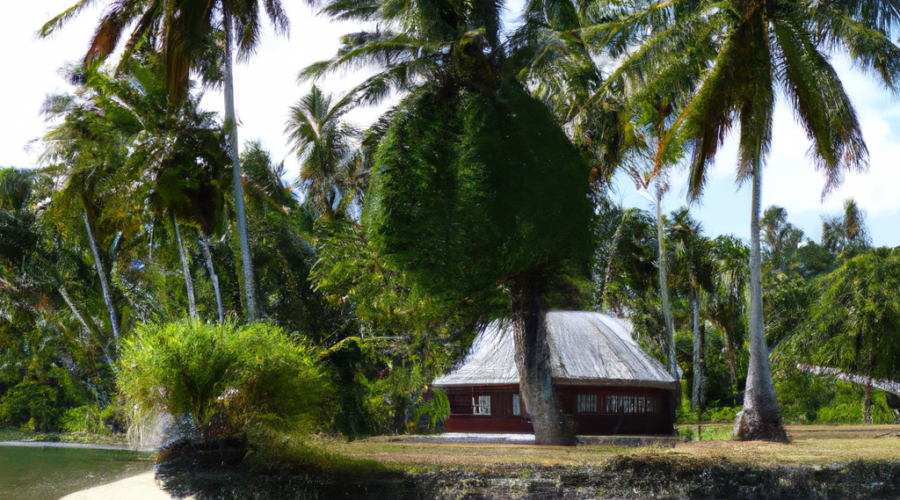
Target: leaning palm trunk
[185, 265]
[204, 242]
[760, 418]
[664, 287]
[68, 300]
[551, 427]
[697, 386]
[240, 208]
[104, 281]
[883, 385]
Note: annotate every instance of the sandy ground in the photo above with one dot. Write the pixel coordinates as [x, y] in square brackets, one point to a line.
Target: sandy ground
[140, 487]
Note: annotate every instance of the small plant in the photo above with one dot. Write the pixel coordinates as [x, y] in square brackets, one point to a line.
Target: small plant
[249, 381]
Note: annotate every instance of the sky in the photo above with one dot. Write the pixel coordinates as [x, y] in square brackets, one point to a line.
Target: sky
[266, 86]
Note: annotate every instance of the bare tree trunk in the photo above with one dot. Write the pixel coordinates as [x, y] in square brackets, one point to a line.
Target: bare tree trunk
[884, 385]
[697, 386]
[186, 267]
[104, 280]
[240, 208]
[729, 355]
[664, 286]
[760, 418]
[551, 426]
[78, 316]
[867, 404]
[609, 262]
[204, 242]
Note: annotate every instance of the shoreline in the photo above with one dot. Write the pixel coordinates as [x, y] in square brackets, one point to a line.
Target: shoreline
[84, 446]
[141, 486]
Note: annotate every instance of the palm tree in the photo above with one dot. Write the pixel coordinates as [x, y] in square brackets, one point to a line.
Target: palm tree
[847, 233]
[758, 46]
[447, 59]
[323, 144]
[853, 323]
[186, 31]
[694, 266]
[728, 299]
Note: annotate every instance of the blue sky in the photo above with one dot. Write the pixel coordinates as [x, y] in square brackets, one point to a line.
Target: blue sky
[266, 87]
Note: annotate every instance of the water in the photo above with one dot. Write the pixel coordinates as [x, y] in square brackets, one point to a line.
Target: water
[50, 473]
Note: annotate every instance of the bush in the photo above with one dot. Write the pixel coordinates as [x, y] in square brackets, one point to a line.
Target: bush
[228, 380]
[31, 406]
[86, 419]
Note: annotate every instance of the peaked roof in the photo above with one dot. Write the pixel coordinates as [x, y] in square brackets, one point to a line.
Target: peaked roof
[585, 348]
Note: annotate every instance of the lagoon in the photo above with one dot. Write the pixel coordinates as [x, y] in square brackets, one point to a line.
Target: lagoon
[48, 473]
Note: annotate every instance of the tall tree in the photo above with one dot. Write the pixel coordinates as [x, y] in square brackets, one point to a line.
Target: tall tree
[760, 46]
[853, 323]
[728, 303]
[847, 233]
[463, 194]
[324, 145]
[694, 266]
[185, 31]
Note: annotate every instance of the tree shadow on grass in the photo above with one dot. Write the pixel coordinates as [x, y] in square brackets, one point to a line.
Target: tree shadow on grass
[229, 470]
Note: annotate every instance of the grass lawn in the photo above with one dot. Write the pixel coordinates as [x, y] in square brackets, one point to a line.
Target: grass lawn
[811, 445]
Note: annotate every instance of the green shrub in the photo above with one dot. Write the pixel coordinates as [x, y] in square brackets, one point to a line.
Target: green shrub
[87, 419]
[31, 406]
[230, 380]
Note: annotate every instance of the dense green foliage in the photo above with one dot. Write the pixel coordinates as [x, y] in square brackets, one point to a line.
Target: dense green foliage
[229, 380]
[374, 270]
[453, 199]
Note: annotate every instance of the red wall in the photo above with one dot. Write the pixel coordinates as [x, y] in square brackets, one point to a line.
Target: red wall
[502, 420]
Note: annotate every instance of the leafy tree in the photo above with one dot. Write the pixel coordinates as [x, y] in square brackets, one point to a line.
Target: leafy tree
[474, 186]
[758, 47]
[694, 266]
[324, 145]
[728, 304]
[853, 321]
[186, 32]
[846, 236]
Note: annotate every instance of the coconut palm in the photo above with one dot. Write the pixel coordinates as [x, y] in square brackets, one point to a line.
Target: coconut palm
[441, 174]
[728, 305]
[186, 31]
[853, 323]
[847, 233]
[323, 144]
[694, 267]
[761, 47]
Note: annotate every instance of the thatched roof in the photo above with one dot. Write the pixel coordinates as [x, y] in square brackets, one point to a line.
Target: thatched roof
[585, 348]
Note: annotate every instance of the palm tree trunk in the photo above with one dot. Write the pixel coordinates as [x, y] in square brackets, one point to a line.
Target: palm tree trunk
[697, 385]
[204, 242]
[68, 300]
[867, 404]
[609, 261]
[186, 267]
[104, 281]
[240, 208]
[760, 418]
[551, 426]
[664, 286]
[729, 355]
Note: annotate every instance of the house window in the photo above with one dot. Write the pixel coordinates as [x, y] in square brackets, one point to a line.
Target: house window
[631, 404]
[515, 406]
[481, 405]
[587, 403]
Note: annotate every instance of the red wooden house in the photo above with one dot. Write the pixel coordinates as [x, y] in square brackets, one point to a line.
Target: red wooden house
[606, 383]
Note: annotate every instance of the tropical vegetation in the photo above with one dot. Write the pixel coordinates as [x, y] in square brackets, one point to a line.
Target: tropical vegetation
[152, 265]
